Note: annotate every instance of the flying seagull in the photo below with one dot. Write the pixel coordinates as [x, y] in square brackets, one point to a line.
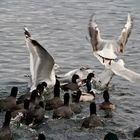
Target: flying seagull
[42, 65]
[108, 51]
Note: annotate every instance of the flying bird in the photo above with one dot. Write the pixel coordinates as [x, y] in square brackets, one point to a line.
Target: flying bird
[42, 65]
[108, 51]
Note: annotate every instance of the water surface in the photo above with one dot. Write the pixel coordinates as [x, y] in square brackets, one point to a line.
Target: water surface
[61, 27]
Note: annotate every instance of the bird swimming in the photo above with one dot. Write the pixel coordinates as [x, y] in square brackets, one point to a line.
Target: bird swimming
[9, 103]
[73, 85]
[41, 136]
[93, 120]
[75, 105]
[108, 51]
[40, 89]
[5, 131]
[17, 113]
[136, 132]
[39, 112]
[106, 105]
[65, 110]
[56, 101]
[110, 136]
[89, 93]
[42, 65]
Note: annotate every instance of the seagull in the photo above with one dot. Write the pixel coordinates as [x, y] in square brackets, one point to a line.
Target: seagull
[42, 65]
[82, 72]
[108, 51]
[101, 79]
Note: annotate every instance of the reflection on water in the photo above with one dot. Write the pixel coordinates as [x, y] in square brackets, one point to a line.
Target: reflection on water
[61, 27]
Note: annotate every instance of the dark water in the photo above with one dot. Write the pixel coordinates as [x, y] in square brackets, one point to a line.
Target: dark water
[61, 27]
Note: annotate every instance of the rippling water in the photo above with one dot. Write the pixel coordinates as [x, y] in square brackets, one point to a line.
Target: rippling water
[61, 27]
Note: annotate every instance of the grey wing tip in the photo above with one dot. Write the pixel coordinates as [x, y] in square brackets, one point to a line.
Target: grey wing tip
[92, 17]
[92, 21]
[130, 18]
[26, 32]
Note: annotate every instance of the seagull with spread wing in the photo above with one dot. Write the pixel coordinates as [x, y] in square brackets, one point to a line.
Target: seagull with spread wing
[42, 65]
[108, 51]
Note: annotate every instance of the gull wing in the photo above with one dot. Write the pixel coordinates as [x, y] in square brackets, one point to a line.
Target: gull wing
[41, 62]
[105, 77]
[45, 62]
[94, 33]
[119, 69]
[123, 38]
[82, 72]
[32, 53]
